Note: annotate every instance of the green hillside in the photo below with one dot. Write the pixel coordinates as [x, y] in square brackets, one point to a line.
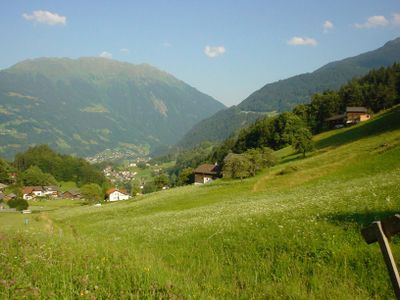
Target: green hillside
[284, 95]
[84, 106]
[219, 126]
[292, 232]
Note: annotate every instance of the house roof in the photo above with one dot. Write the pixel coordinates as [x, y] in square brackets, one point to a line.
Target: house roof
[11, 195]
[3, 186]
[73, 192]
[122, 191]
[356, 109]
[207, 169]
[51, 188]
[30, 189]
[27, 190]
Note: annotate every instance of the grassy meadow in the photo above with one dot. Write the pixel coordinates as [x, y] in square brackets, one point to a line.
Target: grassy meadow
[292, 232]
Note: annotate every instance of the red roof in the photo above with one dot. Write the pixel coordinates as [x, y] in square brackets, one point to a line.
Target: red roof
[30, 189]
[27, 190]
[122, 191]
[207, 169]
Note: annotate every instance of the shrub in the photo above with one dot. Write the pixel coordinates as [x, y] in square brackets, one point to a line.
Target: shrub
[18, 203]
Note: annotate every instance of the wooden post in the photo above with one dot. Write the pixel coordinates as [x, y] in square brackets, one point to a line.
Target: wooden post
[380, 232]
[389, 260]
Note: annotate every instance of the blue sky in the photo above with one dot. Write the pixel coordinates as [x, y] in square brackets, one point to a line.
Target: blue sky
[227, 49]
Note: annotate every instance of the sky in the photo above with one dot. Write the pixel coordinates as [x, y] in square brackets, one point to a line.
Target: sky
[226, 49]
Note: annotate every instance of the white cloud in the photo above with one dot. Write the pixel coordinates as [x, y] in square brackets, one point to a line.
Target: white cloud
[373, 22]
[328, 26]
[396, 19]
[124, 50]
[214, 51]
[302, 41]
[45, 17]
[105, 54]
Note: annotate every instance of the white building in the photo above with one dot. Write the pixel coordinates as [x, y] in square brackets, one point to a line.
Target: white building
[116, 195]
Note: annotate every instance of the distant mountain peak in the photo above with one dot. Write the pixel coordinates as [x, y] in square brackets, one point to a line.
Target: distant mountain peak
[86, 105]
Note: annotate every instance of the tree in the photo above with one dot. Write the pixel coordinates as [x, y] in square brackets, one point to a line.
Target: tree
[268, 156]
[5, 170]
[302, 141]
[141, 165]
[92, 192]
[254, 157]
[18, 203]
[35, 176]
[135, 187]
[236, 166]
[161, 180]
[149, 187]
[186, 176]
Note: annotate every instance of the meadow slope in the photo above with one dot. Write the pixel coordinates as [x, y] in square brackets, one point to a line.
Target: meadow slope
[292, 232]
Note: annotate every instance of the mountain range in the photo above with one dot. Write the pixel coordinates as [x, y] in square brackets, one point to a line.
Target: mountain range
[283, 95]
[87, 105]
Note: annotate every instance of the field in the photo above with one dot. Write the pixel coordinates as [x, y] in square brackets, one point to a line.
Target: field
[292, 232]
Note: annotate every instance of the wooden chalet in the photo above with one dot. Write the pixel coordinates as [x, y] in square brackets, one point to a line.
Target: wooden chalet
[206, 173]
[352, 115]
[71, 194]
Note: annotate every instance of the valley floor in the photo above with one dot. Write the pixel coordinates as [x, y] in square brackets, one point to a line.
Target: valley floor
[292, 232]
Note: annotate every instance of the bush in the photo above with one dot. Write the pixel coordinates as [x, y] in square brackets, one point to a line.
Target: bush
[18, 203]
[92, 192]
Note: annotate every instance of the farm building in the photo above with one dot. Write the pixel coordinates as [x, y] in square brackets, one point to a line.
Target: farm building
[352, 115]
[116, 195]
[71, 194]
[206, 173]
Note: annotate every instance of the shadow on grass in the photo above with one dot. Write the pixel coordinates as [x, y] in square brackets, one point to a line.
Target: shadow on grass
[387, 122]
[361, 219]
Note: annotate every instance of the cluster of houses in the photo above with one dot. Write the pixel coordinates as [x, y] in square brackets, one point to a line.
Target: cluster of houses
[31, 192]
[118, 176]
[52, 191]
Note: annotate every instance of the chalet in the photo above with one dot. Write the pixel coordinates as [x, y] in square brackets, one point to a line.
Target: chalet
[116, 194]
[71, 194]
[206, 173]
[352, 115]
[356, 114]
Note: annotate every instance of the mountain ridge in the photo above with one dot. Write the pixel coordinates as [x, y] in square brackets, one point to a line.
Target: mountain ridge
[86, 105]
